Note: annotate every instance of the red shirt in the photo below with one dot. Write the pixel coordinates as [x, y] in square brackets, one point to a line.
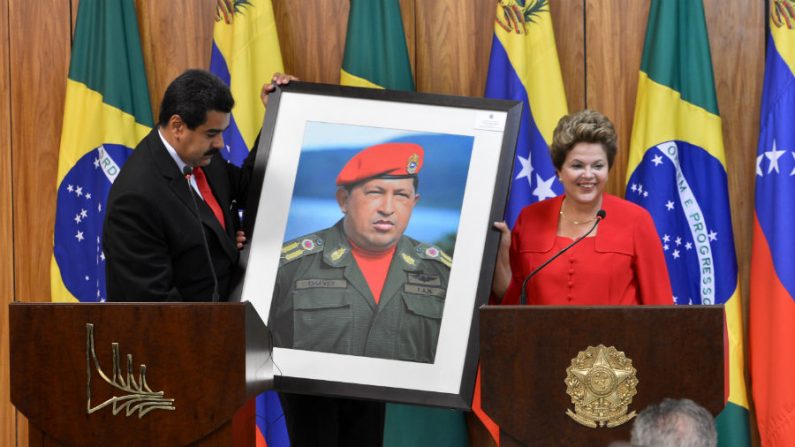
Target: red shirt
[622, 265]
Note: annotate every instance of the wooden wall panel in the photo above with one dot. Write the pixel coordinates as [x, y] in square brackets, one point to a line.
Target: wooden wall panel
[39, 46]
[453, 45]
[175, 35]
[614, 44]
[568, 19]
[7, 412]
[313, 42]
[737, 44]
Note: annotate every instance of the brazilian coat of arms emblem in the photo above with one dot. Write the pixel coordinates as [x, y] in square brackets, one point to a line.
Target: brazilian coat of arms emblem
[601, 382]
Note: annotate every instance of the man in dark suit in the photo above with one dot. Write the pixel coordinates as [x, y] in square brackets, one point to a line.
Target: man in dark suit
[153, 238]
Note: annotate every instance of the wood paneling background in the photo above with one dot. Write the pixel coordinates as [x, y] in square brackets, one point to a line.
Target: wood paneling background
[599, 45]
[7, 413]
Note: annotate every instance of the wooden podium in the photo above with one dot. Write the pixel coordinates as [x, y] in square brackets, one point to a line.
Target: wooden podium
[77, 374]
[677, 352]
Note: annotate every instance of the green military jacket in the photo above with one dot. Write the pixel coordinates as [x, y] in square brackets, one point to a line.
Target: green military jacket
[322, 302]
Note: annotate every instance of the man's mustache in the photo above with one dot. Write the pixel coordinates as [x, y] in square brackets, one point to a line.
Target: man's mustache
[212, 151]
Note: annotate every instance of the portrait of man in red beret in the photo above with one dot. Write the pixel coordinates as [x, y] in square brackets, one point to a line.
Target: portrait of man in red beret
[362, 286]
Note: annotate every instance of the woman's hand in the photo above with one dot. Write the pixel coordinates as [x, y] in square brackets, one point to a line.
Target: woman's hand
[502, 271]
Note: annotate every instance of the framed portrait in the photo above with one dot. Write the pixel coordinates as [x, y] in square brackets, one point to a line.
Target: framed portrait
[371, 242]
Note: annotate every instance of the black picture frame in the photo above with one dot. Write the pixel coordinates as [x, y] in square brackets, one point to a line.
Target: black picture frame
[494, 126]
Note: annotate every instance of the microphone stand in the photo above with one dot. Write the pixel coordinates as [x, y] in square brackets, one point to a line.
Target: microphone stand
[523, 296]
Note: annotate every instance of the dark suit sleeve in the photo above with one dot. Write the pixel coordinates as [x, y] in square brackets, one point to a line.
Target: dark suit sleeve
[138, 264]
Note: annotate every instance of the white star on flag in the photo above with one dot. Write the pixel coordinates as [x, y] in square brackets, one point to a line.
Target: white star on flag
[527, 169]
[70, 188]
[77, 218]
[773, 155]
[657, 160]
[544, 188]
[666, 238]
[678, 240]
[79, 191]
[79, 236]
[793, 169]
[96, 163]
[670, 205]
[83, 213]
[713, 236]
[88, 196]
[688, 246]
[666, 247]
[634, 187]
[675, 254]
[645, 193]
[759, 165]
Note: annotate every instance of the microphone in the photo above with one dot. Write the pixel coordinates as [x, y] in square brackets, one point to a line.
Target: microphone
[187, 171]
[600, 215]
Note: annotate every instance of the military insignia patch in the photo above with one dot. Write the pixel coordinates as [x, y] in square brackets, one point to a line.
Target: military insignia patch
[308, 244]
[414, 160]
[337, 254]
[601, 382]
[432, 252]
[408, 259]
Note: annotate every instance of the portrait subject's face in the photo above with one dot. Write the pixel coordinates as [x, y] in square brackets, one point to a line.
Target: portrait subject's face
[377, 212]
[196, 147]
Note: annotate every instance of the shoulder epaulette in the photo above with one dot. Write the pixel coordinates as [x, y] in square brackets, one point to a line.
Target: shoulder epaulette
[434, 253]
[300, 247]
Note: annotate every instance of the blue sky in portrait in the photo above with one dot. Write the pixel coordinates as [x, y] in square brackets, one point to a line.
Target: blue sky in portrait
[325, 149]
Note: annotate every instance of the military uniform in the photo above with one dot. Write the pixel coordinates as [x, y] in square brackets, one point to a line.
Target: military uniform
[322, 302]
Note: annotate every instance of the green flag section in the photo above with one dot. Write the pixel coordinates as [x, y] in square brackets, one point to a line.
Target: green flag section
[375, 47]
[677, 171]
[410, 426]
[107, 112]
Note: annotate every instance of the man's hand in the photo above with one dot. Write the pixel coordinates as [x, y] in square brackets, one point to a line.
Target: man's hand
[277, 79]
[240, 239]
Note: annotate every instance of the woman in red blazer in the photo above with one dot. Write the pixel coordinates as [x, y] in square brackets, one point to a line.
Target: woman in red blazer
[619, 263]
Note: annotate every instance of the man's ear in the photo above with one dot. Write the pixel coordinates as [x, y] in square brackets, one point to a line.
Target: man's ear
[176, 125]
[342, 199]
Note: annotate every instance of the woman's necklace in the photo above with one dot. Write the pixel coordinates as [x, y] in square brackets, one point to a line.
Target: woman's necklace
[575, 222]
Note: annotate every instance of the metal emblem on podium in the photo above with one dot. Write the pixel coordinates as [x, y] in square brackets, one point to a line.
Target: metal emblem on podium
[601, 382]
[139, 397]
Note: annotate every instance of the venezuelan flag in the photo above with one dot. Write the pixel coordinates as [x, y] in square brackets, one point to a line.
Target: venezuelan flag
[107, 112]
[677, 171]
[772, 310]
[245, 54]
[524, 67]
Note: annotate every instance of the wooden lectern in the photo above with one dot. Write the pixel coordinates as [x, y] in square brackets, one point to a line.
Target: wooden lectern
[525, 351]
[78, 374]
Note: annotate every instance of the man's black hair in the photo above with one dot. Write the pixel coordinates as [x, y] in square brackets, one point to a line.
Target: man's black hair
[191, 95]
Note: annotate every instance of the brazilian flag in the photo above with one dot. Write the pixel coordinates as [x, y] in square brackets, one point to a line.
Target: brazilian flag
[376, 57]
[677, 171]
[107, 112]
[375, 47]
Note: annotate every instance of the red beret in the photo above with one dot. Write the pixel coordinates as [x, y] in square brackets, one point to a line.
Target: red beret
[388, 159]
